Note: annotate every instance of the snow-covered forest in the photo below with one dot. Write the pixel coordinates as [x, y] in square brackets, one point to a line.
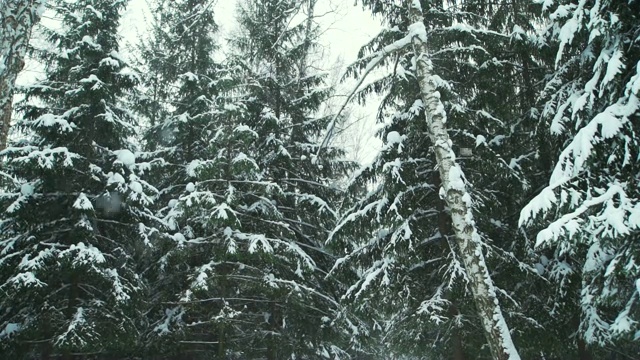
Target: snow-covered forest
[194, 195]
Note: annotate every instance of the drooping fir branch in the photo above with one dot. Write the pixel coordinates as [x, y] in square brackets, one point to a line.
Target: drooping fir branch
[589, 204]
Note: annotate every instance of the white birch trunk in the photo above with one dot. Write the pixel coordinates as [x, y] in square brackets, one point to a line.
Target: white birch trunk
[458, 199]
[17, 17]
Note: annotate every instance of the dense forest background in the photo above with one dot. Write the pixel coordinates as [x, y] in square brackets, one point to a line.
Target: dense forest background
[198, 196]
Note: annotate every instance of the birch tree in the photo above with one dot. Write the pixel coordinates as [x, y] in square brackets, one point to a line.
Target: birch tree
[17, 18]
[458, 198]
[467, 243]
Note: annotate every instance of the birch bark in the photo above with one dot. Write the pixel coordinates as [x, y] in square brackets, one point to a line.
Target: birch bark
[17, 17]
[458, 199]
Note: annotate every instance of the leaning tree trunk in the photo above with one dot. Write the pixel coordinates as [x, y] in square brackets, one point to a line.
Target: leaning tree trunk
[17, 17]
[458, 199]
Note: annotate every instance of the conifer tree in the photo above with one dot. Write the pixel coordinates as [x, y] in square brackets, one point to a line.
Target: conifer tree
[180, 86]
[249, 218]
[277, 55]
[180, 77]
[589, 207]
[76, 216]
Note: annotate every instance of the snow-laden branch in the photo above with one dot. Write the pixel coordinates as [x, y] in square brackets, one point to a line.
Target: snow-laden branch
[573, 160]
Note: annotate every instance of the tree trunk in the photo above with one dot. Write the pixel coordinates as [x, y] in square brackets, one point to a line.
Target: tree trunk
[45, 353]
[583, 352]
[458, 199]
[17, 17]
[457, 346]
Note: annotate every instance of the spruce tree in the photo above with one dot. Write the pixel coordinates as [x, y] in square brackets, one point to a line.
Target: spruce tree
[180, 86]
[588, 209]
[75, 218]
[250, 223]
[278, 56]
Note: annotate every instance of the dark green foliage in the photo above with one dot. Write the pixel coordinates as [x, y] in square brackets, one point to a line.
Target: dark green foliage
[223, 253]
[75, 217]
[243, 274]
[589, 106]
